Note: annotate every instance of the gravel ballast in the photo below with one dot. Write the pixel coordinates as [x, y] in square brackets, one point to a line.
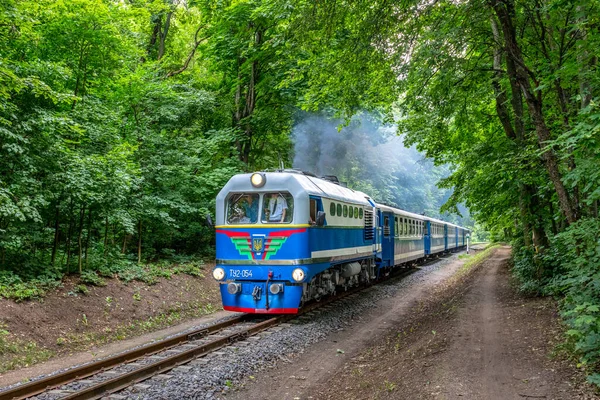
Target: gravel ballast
[216, 374]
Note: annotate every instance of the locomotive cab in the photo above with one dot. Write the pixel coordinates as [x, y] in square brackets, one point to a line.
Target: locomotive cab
[278, 235]
[259, 236]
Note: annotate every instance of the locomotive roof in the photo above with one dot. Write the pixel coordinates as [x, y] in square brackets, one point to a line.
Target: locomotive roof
[295, 183]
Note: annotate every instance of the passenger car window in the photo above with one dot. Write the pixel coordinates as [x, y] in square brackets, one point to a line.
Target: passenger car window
[345, 211]
[242, 208]
[355, 212]
[360, 213]
[278, 207]
[339, 210]
[332, 209]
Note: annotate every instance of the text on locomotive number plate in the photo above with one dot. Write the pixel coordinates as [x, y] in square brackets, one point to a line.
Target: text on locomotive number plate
[240, 273]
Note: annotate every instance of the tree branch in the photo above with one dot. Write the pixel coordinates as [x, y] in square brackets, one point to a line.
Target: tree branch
[191, 55]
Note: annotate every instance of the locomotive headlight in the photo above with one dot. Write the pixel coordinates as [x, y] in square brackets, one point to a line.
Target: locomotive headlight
[258, 180]
[298, 274]
[219, 274]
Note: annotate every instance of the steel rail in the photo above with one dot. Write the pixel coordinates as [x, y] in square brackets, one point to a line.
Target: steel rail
[38, 386]
[123, 381]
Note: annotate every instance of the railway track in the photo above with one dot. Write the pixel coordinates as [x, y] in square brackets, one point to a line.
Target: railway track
[101, 378]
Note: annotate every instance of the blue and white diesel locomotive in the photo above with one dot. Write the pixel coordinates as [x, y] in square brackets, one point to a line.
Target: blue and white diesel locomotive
[287, 237]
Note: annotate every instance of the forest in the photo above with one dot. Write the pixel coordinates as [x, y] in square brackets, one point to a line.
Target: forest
[121, 119]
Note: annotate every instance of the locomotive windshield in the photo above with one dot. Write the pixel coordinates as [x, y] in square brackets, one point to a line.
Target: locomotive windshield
[278, 207]
[242, 208]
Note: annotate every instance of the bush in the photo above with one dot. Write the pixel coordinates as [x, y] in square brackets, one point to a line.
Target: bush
[577, 250]
[91, 278]
[21, 291]
[526, 271]
[14, 287]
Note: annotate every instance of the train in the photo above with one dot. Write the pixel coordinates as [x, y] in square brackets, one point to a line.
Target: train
[288, 237]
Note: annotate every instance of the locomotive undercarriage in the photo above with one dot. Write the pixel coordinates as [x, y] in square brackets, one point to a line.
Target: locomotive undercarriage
[340, 277]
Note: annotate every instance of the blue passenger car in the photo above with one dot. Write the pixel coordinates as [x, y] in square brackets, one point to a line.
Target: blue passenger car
[436, 236]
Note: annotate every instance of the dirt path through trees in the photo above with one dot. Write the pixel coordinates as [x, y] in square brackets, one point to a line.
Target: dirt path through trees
[474, 338]
[498, 345]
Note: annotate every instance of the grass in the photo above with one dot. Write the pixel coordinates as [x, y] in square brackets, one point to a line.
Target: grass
[16, 353]
[177, 313]
[473, 260]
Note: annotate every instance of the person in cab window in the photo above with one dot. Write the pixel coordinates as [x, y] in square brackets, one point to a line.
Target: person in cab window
[312, 217]
[251, 209]
[277, 208]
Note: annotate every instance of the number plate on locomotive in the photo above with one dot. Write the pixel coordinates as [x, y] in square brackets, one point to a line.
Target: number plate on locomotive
[240, 273]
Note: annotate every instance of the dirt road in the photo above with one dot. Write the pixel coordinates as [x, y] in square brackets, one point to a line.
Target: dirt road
[472, 339]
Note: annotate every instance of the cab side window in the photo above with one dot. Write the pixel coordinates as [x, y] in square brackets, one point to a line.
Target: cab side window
[312, 211]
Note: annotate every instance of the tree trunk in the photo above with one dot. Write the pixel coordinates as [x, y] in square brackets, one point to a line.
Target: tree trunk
[78, 86]
[163, 36]
[155, 35]
[554, 227]
[587, 62]
[516, 134]
[56, 234]
[540, 239]
[504, 11]
[87, 239]
[105, 235]
[244, 144]
[80, 233]
[140, 242]
[69, 235]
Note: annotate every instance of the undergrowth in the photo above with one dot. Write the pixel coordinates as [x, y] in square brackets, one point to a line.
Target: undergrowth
[17, 353]
[16, 288]
[20, 288]
[570, 271]
[175, 314]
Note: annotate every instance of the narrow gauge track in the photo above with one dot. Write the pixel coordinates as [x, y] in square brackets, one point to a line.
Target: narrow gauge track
[144, 362]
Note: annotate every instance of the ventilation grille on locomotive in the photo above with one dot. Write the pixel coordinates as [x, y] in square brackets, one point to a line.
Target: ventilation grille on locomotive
[369, 233]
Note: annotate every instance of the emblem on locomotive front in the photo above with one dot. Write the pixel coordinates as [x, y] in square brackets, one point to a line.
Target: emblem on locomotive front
[258, 244]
